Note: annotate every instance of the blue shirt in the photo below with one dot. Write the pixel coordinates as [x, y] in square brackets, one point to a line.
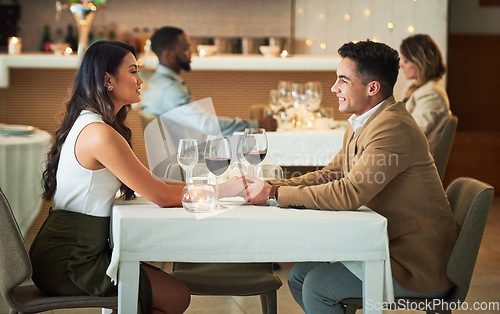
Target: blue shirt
[167, 91]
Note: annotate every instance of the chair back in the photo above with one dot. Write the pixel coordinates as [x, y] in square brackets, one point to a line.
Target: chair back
[470, 201]
[146, 118]
[272, 172]
[15, 265]
[442, 151]
[258, 111]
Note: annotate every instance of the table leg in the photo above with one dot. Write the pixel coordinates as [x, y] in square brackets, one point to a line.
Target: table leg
[128, 286]
[373, 287]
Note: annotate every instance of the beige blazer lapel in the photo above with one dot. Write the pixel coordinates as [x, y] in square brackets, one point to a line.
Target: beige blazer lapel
[352, 144]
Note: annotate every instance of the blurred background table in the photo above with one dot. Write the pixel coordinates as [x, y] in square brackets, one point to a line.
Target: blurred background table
[22, 160]
[298, 150]
[303, 147]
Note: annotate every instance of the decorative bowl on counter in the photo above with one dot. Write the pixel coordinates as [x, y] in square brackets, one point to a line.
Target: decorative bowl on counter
[59, 48]
[269, 51]
[206, 50]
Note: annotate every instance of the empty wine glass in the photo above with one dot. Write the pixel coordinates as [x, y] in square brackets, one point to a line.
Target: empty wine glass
[274, 101]
[285, 93]
[217, 159]
[314, 95]
[187, 156]
[254, 147]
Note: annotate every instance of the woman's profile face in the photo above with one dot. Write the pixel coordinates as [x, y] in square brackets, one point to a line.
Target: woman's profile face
[409, 68]
[126, 83]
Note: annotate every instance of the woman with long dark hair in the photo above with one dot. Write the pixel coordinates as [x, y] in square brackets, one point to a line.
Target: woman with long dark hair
[426, 98]
[90, 160]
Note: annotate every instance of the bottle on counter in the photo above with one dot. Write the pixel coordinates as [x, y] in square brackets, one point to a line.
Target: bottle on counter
[71, 38]
[46, 41]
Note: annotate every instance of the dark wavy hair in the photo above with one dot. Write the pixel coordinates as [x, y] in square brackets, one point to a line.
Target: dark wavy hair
[88, 92]
[374, 62]
[423, 51]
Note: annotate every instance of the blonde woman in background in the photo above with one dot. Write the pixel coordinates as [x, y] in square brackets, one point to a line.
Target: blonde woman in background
[426, 98]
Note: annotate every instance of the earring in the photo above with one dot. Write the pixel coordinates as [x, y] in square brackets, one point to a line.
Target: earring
[110, 88]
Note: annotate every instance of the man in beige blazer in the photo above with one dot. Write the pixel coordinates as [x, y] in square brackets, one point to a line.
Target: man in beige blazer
[384, 164]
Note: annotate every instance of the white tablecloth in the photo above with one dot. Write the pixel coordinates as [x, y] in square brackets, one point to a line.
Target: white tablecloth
[247, 233]
[300, 147]
[22, 160]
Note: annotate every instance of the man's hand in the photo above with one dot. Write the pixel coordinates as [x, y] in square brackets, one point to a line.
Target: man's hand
[268, 123]
[257, 191]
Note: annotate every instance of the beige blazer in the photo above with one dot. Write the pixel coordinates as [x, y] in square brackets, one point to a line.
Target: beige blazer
[387, 167]
[430, 107]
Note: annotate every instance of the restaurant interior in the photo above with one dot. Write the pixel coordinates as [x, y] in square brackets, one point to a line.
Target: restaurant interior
[37, 70]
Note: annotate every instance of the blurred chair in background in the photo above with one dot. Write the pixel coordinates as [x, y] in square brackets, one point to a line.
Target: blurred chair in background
[443, 147]
[470, 201]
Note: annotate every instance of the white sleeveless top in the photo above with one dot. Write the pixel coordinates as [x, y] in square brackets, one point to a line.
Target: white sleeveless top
[81, 190]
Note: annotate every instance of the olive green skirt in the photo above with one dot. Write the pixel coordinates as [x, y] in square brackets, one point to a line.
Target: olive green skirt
[70, 256]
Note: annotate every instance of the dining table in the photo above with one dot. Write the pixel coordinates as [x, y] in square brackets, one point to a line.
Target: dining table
[142, 231]
[22, 160]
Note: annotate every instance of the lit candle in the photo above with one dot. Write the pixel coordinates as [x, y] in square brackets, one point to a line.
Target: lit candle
[14, 45]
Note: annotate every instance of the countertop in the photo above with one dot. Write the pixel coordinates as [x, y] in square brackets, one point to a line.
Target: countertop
[216, 62]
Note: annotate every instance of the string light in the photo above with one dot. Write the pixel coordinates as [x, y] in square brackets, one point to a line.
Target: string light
[309, 42]
[390, 25]
[411, 29]
[347, 17]
[367, 12]
[322, 16]
[322, 46]
[300, 11]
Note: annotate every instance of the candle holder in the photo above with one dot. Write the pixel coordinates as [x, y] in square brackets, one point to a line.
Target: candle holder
[84, 14]
[15, 45]
[198, 198]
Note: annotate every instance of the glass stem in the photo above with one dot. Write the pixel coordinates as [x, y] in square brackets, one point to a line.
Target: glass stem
[217, 188]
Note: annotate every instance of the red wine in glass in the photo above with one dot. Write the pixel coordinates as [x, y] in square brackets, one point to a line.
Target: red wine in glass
[255, 158]
[217, 165]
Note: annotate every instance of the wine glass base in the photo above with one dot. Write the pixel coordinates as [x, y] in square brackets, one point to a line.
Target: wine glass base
[219, 206]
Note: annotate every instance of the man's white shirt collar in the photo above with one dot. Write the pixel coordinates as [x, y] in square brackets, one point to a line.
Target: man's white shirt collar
[358, 122]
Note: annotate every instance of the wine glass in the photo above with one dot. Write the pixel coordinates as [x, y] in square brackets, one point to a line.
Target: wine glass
[187, 156]
[313, 95]
[217, 159]
[285, 93]
[254, 146]
[274, 101]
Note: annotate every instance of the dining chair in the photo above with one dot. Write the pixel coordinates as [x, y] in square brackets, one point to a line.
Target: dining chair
[442, 150]
[15, 272]
[470, 201]
[232, 279]
[160, 148]
[146, 118]
[258, 111]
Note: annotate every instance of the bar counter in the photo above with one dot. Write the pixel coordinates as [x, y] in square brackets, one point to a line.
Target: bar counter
[217, 62]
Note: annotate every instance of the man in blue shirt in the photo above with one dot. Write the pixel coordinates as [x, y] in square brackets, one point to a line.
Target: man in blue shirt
[167, 91]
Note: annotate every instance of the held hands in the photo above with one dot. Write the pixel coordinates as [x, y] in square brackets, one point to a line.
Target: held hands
[250, 188]
[257, 191]
[235, 186]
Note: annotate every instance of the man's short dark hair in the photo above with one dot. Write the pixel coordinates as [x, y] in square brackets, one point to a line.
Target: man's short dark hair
[374, 62]
[165, 38]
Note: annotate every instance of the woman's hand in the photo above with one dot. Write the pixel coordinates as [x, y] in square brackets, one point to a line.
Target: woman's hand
[235, 186]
